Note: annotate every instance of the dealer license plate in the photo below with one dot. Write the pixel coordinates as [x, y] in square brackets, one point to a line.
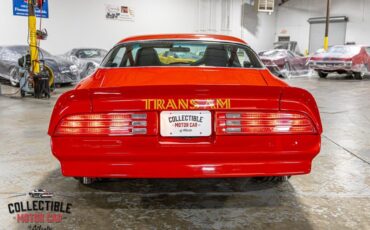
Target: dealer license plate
[186, 123]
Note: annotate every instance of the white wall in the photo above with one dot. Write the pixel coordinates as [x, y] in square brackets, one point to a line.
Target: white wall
[263, 37]
[292, 17]
[82, 23]
[257, 29]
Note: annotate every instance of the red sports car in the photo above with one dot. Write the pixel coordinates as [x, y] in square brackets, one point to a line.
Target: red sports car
[216, 114]
[351, 59]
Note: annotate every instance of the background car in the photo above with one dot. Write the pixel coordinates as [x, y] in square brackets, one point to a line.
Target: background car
[288, 45]
[86, 59]
[350, 59]
[286, 61]
[65, 72]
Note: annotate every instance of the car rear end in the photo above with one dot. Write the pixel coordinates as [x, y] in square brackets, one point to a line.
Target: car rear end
[330, 65]
[339, 58]
[185, 131]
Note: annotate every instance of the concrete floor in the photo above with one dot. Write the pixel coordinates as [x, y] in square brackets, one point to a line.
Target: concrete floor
[336, 195]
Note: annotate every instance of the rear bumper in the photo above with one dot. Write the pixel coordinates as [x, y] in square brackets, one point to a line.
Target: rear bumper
[333, 69]
[155, 157]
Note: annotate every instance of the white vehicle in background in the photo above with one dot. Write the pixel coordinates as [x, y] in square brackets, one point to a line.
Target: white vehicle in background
[65, 72]
[86, 59]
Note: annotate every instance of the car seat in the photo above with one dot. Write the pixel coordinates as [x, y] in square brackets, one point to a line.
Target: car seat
[215, 56]
[147, 57]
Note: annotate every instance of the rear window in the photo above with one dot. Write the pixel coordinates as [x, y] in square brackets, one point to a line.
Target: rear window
[181, 53]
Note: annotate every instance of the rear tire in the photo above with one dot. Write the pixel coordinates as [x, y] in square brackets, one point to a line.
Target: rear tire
[14, 76]
[322, 74]
[358, 75]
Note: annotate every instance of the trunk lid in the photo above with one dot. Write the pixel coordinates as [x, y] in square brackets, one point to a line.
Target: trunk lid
[185, 97]
[150, 76]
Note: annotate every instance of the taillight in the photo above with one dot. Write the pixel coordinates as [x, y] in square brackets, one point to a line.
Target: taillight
[108, 124]
[234, 123]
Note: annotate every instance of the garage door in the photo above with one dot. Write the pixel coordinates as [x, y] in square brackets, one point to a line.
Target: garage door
[337, 32]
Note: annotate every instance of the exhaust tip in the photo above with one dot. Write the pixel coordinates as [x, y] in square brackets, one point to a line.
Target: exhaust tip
[88, 180]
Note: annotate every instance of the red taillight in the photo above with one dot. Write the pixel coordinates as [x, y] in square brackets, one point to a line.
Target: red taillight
[232, 123]
[109, 124]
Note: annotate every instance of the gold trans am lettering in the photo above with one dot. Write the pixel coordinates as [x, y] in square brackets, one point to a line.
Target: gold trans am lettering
[184, 104]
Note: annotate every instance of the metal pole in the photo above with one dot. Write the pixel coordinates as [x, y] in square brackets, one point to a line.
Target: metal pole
[326, 39]
[35, 66]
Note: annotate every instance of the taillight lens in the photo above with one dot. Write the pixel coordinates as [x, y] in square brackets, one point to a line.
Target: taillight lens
[109, 124]
[234, 123]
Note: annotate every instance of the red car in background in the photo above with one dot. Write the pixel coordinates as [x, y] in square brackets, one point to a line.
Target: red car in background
[350, 59]
[284, 61]
[217, 114]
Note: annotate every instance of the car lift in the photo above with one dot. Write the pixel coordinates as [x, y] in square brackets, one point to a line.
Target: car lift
[35, 77]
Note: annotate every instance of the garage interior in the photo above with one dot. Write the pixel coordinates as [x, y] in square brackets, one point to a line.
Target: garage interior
[335, 195]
